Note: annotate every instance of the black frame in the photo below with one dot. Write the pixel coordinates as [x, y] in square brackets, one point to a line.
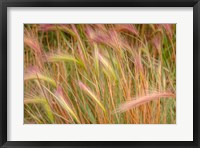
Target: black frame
[99, 3]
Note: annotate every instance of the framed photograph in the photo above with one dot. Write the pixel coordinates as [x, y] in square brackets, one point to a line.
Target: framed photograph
[99, 73]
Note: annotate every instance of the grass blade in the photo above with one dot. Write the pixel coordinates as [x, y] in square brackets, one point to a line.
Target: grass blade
[91, 94]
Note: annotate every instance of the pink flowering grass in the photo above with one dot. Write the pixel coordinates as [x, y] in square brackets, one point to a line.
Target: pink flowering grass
[99, 74]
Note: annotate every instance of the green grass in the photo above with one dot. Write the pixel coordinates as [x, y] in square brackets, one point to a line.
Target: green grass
[100, 74]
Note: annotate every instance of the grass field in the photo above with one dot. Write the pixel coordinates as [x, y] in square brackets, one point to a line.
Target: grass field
[99, 74]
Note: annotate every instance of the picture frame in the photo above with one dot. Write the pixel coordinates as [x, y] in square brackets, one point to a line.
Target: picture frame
[100, 3]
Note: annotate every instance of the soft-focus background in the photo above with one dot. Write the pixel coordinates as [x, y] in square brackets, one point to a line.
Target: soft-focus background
[100, 74]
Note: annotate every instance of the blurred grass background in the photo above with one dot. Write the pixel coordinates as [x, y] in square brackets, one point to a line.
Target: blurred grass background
[100, 73]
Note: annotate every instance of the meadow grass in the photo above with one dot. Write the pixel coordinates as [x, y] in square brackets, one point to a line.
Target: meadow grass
[99, 73]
